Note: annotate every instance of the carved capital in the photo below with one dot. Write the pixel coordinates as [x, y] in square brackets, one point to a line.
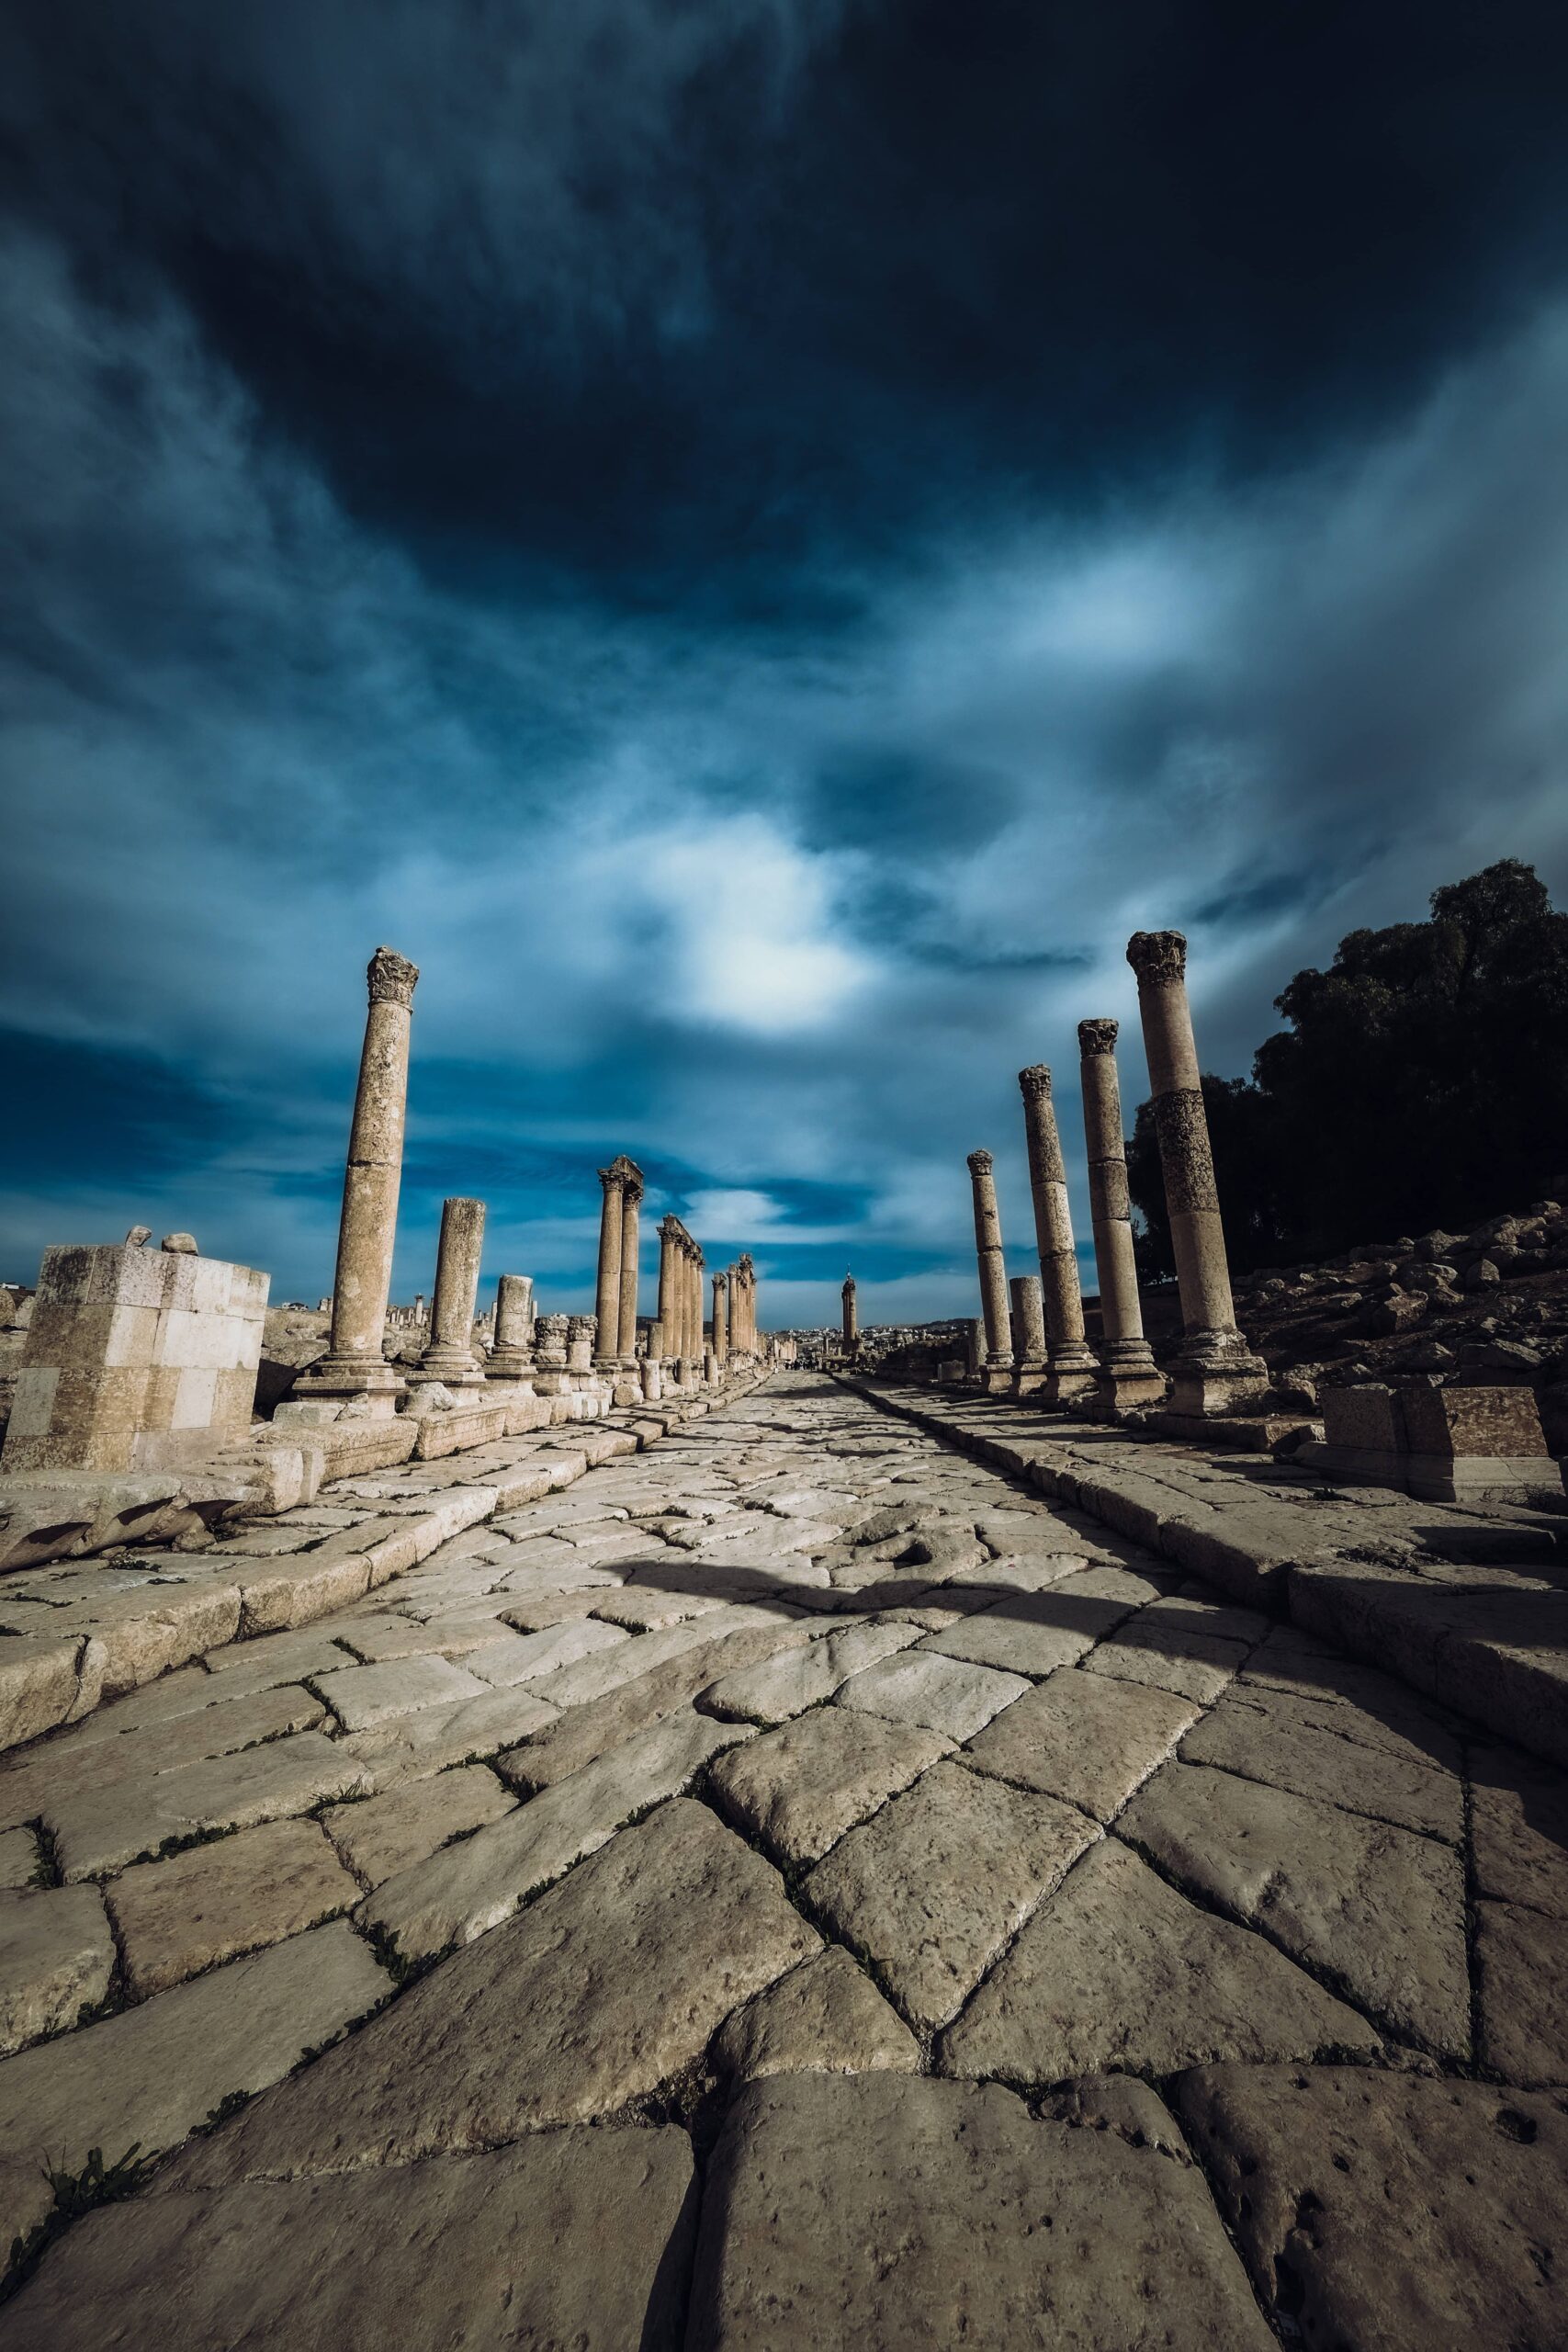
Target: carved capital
[720, 1282]
[611, 1177]
[670, 1228]
[980, 1163]
[582, 1327]
[1096, 1037]
[391, 978]
[1158, 954]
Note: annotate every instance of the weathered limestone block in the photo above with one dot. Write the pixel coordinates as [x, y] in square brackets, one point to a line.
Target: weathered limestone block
[101, 1828]
[56, 1957]
[824, 2017]
[384, 1835]
[1084, 1739]
[135, 1359]
[800, 1788]
[942, 1695]
[177, 1918]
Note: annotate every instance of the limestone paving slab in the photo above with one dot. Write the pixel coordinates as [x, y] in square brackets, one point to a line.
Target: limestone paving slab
[579, 2239]
[1388, 2209]
[1294, 1743]
[1374, 1907]
[799, 1788]
[1083, 1738]
[179, 1916]
[18, 1858]
[1120, 1971]
[410, 1748]
[824, 2017]
[273, 1658]
[1520, 1827]
[56, 1956]
[933, 1887]
[379, 1836]
[607, 1986]
[893, 2213]
[1023, 1634]
[363, 1697]
[797, 1678]
[1521, 1971]
[466, 1889]
[150, 2075]
[1191, 1664]
[101, 1829]
[921, 1686]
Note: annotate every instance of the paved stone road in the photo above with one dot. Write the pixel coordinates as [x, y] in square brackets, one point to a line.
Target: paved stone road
[795, 1888]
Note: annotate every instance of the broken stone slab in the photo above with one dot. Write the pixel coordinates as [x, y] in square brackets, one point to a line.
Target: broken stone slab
[1523, 2006]
[824, 2017]
[1085, 1738]
[466, 1889]
[933, 1887]
[893, 2212]
[40, 1684]
[1120, 1971]
[924, 1686]
[150, 2075]
[798, 1788]
[1319, 1750]
[363, 1697]
[410, 1748]
[178, 1917]
[1378, 1910]
[137, 1622]
[610, 1985]
[581, 2238]
[787, 1684]
[1389, 2209]
[57, 1957]
[103, 1828]
[377, 1836]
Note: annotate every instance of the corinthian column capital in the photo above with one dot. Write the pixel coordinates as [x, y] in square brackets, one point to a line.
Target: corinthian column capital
[391, 978]
[1096, 1037]
[980, 1163]
[1034, 1083]
[1158, 954]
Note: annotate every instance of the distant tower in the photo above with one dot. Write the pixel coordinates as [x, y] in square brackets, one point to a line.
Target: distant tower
[852, 1328]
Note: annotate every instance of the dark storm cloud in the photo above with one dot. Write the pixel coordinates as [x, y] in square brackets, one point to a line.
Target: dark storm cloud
[758, 540]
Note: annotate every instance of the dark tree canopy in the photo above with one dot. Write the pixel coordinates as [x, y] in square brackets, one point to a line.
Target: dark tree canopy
[1423, 1081]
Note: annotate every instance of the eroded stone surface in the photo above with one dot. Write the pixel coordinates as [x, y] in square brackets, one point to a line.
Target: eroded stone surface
[1521, 1968]
[103, 1828]
[799, 1788]
[386, 1834]
[943, 1694]
[825, 2016]
[1313, 1748]
[1083, 1738]
[56, 1958]
[179, 1916]
[794, 1679]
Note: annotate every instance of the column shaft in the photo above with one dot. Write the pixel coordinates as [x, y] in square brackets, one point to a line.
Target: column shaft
[992, 1265]
[721, 1319]
[1071, 1365]
[450, 1356]
[626, 1344]
[668, 1334]
[1129, 1374]
[607, 1297]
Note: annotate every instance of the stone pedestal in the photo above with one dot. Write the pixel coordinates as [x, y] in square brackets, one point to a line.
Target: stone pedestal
[510, 1363]
[1214, 1370]
[1029, 1366]
[353, 1368]
[1128, 1374]
[581, 1332]
[450, 1357]
[1071, 1362]
[1450, 1445]
[996, 1369]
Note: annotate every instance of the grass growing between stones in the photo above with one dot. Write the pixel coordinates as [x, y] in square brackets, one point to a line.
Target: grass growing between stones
[74, 2194]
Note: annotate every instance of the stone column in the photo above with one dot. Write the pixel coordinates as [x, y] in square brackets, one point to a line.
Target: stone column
[353, 1365]
[851, 1321]
[1127, 1366]
[607, 1296]
[550, 1348]
[1071, 1360]
[668, 1287]
[1215, 1371]
[721, 1319]
[512, 1358]
[695, 1311]
[581, 1333]
[450, 1356]
[631, 1203]
[1028, 1335]
[997, 1374]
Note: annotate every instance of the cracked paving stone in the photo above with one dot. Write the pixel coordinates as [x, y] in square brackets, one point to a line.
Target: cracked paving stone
[1171, 1657]
[787, 1684]
[798, 1788]
[410, 1748]
[1388, 2209]
[152, 2074]
[1521, 1967]
[949, 1695]
[826, 2016]
[379, 1836]
[934, 1885]
[460, 2250]
[363, 1697]
[56, 1955]
[177, 1918]
[1300, 1745]
[69, 1766]
[1519, 1822]
[1118, 1970]
[1377, 1908]
[102, 1829]
[893, 2212]
[610, 1985]
[1083, 1738]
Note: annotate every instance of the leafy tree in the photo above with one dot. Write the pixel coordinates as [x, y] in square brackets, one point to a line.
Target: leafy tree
[1423, 1081]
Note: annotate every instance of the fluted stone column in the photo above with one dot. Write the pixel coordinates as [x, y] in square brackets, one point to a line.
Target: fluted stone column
[1215, 1371]
[450, 1356]
[631, 1204]
[1127, 1376]
[721, 1317]
[607, 1290]
[852, 1319]
[512, 1358]
[997, 1374]
[1071, 1365]
[353, 1365]
[1029, 1364]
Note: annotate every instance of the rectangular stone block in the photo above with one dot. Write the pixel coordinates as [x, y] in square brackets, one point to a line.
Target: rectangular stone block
[1365, 1416]
[1498, 1423]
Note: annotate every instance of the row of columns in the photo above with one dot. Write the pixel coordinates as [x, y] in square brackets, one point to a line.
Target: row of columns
[355, 1368]
[1214, 1370]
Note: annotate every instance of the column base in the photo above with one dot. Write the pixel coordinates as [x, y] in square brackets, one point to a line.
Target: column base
[1216, 1373]
[342, 1379]
[996, 1379]
[1068, 1379]
[651, 1373]
[1116, 1390]
[453, 1367]
[1029, 1378]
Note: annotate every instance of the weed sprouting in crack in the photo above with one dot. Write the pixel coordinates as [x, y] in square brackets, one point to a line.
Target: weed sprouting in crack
[74, 2194]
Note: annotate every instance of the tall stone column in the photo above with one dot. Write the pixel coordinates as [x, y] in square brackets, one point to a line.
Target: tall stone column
[997, 1374]
[695, 1311]
[607, 1293]
[1215, 1371]
[353, 1365]
[1029, 1366]
[1070, 1358]
[721, 1317]
[512, 1358]
[450, 1356]
[1127, 1366]
[852, 1321]
[631, 1204]
[668, 1287]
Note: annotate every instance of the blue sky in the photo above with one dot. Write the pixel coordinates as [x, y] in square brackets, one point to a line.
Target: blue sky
[757, 541]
